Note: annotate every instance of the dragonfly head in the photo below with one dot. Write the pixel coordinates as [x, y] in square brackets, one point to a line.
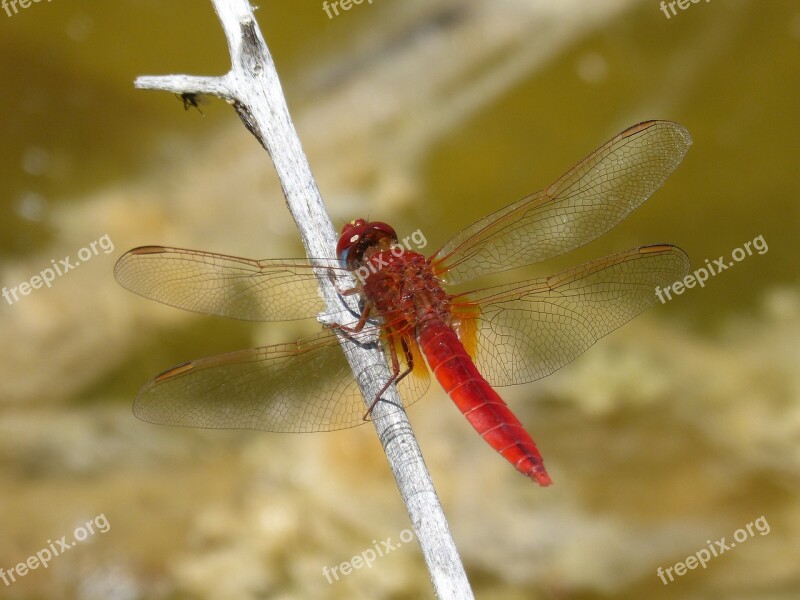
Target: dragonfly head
[359, 237]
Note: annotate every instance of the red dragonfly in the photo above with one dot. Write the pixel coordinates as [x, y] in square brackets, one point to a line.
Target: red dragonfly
[472, 341]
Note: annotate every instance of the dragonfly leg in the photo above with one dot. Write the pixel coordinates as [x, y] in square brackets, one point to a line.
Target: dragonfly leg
[409, 361]
[347, 292]
[396, 376]
[362, 320]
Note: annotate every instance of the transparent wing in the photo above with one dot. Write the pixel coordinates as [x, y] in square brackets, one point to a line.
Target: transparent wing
[521, 332]
[583, 204]
[303, 387]
[228, 286]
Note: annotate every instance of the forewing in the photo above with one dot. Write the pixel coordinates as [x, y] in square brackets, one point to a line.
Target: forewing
[522, 332]
[303, 387]
[215, 284]
[587, 201]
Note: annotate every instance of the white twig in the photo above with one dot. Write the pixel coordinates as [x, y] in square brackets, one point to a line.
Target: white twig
[252, 86]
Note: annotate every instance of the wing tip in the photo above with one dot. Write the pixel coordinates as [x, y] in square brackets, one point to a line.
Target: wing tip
[664, 248]
[147, 250]
[139, 251]
[659, 249]
[670, 249]
[174, 372]
[634, 129]
[678, 130]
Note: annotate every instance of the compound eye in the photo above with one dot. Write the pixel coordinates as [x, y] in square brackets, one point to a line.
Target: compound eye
[383, 228]
[352, 233]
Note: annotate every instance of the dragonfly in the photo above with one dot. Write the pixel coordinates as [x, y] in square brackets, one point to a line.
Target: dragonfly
[472, 341]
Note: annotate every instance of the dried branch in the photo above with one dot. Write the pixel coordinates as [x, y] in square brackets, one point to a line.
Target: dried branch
[252, 86]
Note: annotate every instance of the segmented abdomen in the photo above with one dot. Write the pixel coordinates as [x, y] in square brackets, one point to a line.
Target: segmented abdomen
[481, 405]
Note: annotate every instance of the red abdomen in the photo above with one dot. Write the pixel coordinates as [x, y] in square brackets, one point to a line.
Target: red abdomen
[481, 405]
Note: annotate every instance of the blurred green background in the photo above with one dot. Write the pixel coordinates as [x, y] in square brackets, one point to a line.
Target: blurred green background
[681, 427]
